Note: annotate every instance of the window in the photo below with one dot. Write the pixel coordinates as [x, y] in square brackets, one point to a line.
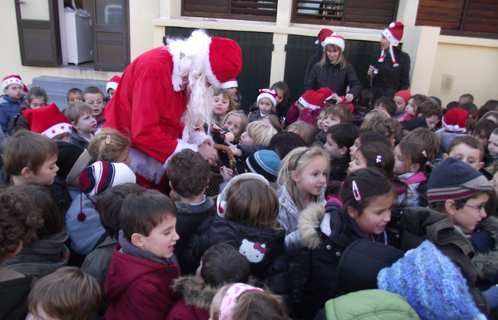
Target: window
[474, 18]
[231, 9]
[356, 13]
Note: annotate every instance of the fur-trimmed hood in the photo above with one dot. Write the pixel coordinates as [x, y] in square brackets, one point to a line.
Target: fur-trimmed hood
[193, 293]
[309, 224]
[487, 263]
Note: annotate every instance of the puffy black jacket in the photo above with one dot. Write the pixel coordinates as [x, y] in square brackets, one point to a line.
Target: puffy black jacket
[261, 246]
[335, 78]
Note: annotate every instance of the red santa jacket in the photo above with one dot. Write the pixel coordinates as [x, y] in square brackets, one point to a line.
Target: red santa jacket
[146, 107]
[138, 288]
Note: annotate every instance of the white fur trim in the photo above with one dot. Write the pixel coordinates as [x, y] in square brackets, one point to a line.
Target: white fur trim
[198, 137]
[146, 166]
[336, 41]
[230, 84]
[306, 104]
[111, 85]
[57, 129]
[389, 36]
[269, 96]
[455, 128]
[10, 81]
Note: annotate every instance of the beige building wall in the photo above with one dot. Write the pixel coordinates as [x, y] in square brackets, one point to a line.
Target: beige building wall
[471, 67]
[443, 66]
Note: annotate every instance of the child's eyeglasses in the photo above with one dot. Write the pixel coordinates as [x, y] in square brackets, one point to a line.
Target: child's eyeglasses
[479, 208]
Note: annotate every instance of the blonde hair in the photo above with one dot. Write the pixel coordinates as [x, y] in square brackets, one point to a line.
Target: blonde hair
[340, 59]
[305, 130]
[296, 160]
[107, 145]
[232, 105]
[261, 133]
[68, 293]
[244, 121]
[374, 115]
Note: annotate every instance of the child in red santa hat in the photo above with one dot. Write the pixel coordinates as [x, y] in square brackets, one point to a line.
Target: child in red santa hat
[12, 99]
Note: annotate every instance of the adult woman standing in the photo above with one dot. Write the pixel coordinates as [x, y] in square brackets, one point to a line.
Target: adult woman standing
[333, 71]
[390, 67]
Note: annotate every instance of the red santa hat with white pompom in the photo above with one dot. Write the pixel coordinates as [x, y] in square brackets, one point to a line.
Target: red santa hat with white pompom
[336, 40]
[268, 93]
[393, 34]
[13, 79]
[48, 121]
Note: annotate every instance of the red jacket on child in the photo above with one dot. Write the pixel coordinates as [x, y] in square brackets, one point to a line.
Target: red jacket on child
[138, 288]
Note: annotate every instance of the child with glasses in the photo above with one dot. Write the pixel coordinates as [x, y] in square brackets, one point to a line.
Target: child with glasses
[457, 194]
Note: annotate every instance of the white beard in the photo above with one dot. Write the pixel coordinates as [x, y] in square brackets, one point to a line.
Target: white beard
[192, 72]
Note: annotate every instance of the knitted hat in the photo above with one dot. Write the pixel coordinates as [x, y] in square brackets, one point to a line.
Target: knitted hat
[393, 34]
[322, 35]
[265, 163]
[455, 120]
[417, 122]
[48, 121]
[405, 94]
[354, 274]
[221, 202]
[72, 160]
[225, 61]
[431, 284]
[454, 179]
[232, 83]
[314, 99]
[101, 176]
[113, 83]
[13, 79]
[336, 40]
[267, 93]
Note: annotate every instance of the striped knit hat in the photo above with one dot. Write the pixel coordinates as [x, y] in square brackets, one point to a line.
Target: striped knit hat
[454, 179]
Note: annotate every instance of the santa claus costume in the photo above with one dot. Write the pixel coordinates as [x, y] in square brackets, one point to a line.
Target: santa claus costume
[165, 96]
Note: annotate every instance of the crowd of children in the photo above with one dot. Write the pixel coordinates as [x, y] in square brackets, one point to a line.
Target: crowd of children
[317, 205]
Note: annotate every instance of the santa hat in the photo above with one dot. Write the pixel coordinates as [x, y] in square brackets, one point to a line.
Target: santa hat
[336, 40]
[113, 83]
[232, 83]
[393, 34]
[13, 79]
[267, 93]
[48, 121]
[221, 202]
[455, 120]
[322, 35]
[225, 61]
[314, 99]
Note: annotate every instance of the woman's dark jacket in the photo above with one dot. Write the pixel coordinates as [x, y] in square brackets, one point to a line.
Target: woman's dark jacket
[335, 78]
[389, 77]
